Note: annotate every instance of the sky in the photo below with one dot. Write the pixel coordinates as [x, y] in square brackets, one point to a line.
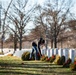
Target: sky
[6, 2]
[30, 25]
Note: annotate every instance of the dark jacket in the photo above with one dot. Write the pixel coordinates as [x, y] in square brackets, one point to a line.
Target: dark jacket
[41, 41]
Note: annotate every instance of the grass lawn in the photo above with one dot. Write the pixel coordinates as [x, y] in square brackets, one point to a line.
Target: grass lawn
[10, 65]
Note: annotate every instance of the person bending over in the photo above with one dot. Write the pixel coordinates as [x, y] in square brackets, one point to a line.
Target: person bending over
[40, 42]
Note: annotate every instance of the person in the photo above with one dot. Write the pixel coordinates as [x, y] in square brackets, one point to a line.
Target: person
[34, 51]
[40, 42]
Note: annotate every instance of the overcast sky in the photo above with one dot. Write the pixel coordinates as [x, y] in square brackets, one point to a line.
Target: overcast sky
[33, 1]
[6, 2]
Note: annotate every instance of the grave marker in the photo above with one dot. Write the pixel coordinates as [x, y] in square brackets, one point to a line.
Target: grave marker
[72, 54]
[60, 52]
[56, 51]
[66, 53]
[48, 53]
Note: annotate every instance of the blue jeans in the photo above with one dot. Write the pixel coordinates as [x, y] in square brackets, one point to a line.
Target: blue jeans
[35, 52]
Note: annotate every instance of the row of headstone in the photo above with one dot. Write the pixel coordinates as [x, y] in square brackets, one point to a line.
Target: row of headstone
[68, 53]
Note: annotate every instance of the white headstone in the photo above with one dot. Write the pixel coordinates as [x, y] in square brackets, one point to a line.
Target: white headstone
[51, 52]
[75, 52]
[55, 51]
[72, 54]
[43, 51]
[60, 52]
[19, 53]
[66, 53]
[48, 53]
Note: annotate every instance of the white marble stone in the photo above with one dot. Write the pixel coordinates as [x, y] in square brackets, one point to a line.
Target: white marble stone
[51, 52]
[43, 51]
[60, 52]
[75, 52]
[66, 53]
[56, 51]
[48, 53]
[72, 54]
[19, 53]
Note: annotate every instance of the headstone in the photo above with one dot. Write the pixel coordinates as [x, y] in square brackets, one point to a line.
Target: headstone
[43, 51]
[48, 53]
[51, 52]
[66, 53]
[75, 52]
[55, 51]
[60, 52]
[19, 53]
[72, 54]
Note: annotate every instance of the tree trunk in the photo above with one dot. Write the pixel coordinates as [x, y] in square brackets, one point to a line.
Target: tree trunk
[55, 37]
[61, 44]
[2, 42]
[51, 43]
[20, 42]
[2, 46]
[15, 44]
[55, 42]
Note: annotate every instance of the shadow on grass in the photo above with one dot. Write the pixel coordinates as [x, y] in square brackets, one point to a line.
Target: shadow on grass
[28, 73]
[28, 67]
[16, 73]
[24, 65]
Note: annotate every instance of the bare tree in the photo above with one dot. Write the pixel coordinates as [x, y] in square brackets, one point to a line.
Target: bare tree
[19, 17]
[3, 24]
[39, 20]
[57, 16]
[37, 32]
[72, 25]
